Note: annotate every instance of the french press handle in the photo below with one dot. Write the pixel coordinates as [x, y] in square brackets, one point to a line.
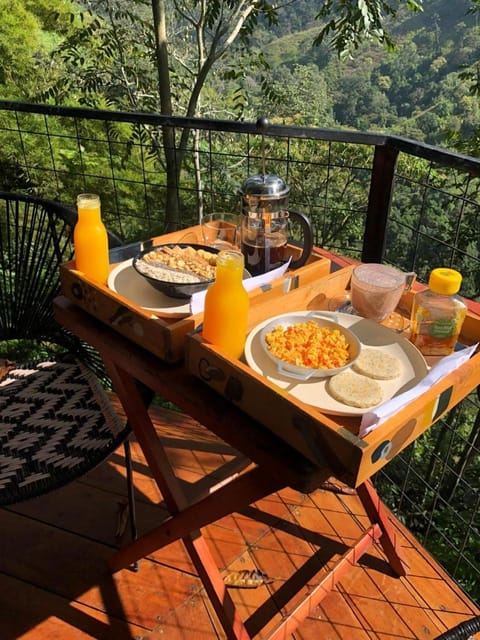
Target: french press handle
[307, 231]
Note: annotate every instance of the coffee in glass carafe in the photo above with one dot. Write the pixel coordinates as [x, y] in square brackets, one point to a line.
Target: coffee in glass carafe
[265, 225]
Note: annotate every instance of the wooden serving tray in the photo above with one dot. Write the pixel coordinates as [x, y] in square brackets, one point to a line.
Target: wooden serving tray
[327, 440]
[161, 334]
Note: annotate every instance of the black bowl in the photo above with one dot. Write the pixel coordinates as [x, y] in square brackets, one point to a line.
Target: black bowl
[174, 289]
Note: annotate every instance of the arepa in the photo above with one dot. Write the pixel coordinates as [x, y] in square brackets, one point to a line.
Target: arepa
[378, 364]
[354, 389]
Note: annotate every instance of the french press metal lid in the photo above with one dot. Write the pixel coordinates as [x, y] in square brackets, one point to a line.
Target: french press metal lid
[264, 193]
[264, 205]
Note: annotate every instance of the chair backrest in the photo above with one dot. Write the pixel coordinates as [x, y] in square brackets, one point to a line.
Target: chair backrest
[35, 238]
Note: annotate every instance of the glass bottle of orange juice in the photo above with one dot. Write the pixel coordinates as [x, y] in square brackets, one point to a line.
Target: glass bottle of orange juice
[226, 305]
[90, 239]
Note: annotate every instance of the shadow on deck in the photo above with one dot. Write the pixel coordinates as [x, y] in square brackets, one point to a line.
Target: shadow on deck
[54, 581]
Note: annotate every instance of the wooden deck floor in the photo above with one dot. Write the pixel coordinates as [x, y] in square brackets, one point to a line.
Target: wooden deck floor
[54, 584]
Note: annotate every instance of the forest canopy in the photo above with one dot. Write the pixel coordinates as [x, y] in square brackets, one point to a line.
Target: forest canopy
[396, 69]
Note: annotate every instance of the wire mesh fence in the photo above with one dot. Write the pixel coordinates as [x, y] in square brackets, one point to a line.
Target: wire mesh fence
[411, 205]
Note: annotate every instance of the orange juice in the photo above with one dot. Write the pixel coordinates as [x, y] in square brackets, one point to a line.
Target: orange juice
[90, 239]
[226, 305]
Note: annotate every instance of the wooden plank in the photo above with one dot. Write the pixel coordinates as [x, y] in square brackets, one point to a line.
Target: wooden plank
[41, 569]
[54, 559]
[30, 612]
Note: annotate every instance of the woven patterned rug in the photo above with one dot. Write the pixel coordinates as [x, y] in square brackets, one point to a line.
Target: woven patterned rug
[56, 423]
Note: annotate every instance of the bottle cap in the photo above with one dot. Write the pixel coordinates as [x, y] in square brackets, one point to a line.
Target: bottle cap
[88, 200]
[230, 258]
[445, 281]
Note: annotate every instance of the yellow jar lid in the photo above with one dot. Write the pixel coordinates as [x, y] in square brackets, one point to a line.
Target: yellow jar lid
[445, 281]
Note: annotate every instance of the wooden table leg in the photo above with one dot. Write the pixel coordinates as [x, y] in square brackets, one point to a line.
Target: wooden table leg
[283, 467]
[232, 494]
[186, 518]
[378, 514]
[238, 493]
[230, 620]
[326, 585]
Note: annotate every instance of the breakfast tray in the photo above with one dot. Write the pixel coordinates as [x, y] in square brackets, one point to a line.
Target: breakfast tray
[163, 334]
[330, 441]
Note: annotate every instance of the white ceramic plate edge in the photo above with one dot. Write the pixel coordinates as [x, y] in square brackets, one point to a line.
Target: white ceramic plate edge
[313, 391]
[140, 292]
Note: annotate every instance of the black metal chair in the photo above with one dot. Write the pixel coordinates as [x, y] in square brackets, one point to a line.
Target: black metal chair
[56, 422]
[462, 631]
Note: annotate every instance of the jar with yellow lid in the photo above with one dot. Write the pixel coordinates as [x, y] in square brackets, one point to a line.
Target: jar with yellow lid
[438, 314]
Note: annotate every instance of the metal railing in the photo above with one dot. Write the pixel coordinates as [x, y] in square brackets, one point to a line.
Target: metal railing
[374, 197]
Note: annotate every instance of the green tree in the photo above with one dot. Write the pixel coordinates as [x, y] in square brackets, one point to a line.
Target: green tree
[28, 32]
[471, 73]
[298, 96]
[109, 56]
[20, 36]
[118, 57]
[350, 22]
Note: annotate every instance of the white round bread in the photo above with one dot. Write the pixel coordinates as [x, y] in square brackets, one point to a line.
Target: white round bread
[354, 389]
[377, 364]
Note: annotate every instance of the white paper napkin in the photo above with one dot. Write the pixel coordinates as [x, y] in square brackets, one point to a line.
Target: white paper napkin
[373, 419]
[197, 301]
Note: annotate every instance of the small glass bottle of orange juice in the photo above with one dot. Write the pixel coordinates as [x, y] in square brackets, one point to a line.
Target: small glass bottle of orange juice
[90, 239]
[226, 305]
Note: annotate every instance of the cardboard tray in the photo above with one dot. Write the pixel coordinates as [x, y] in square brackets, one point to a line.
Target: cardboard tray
[162, 335]
[328, 441]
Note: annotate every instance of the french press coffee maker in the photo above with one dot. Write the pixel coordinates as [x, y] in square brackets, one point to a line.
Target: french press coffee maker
[265, 225]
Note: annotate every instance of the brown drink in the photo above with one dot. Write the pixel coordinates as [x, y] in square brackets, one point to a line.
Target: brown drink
[376, 290]
[263, 257]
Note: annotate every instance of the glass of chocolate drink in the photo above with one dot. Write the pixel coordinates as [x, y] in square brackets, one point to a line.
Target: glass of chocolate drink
[375, 293]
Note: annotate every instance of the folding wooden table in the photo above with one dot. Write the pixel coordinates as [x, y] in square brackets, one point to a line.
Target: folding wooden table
[275, 464]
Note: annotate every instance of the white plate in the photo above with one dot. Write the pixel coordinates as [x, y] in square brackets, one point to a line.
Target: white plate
[313, 392]
[123, 279]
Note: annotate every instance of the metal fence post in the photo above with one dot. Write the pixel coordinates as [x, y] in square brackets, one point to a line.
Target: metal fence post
[380, 195]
